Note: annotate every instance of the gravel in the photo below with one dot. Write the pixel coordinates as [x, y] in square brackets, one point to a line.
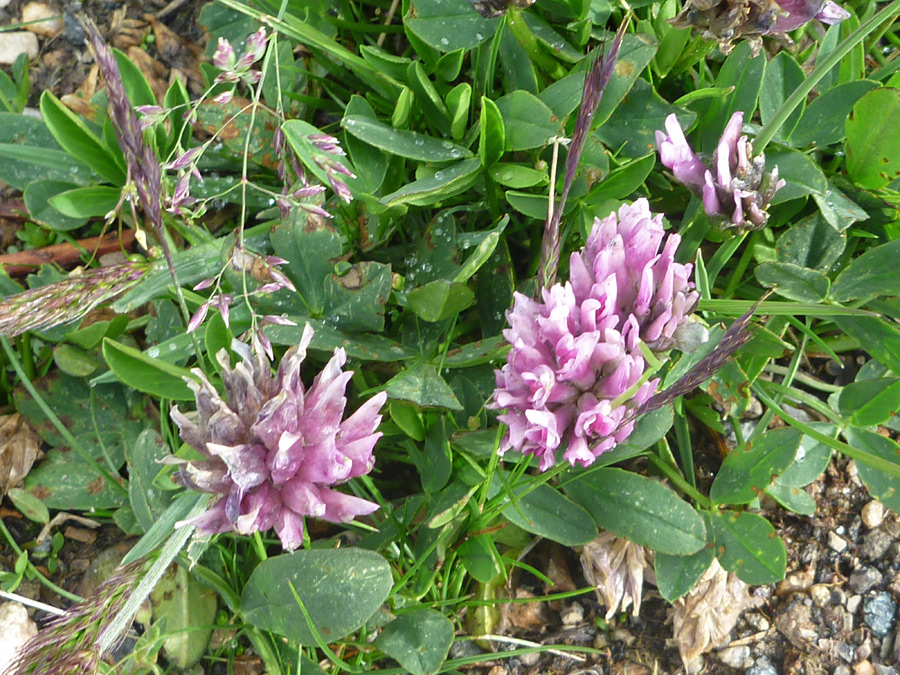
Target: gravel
[879, 613]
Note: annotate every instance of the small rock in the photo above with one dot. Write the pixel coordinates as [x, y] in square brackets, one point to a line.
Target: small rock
[462, 648]
[15, 630]
[796, 625]
[873, 514]
[820, 594]
[795, 583]
[878, 613]
[17, 42]
[753, 412]
[4, 3]
[572, 615]
[530, 659]
[842, 670]
[894, 584]
[863, 578]
[853, 603]
[50, 22]
[836, 542]
[624, 636]
[884, 670]
[875, 544]
[864, 668]
[762, 667]
[736, 657]
[757, 621]
[845, 651]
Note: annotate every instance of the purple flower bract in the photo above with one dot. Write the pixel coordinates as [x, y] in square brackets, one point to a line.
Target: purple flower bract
[573, 376]
[273, 449]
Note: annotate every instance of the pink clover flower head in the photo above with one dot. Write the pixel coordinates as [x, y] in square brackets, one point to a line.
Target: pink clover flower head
[797, 13]
[573, 377]
[737, 191]
[273, 449]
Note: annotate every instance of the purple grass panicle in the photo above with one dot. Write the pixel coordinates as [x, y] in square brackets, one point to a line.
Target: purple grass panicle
[595, 81]
[737, 191]
[68, 643]
[67, 300]
[273, 449]
[575, 373]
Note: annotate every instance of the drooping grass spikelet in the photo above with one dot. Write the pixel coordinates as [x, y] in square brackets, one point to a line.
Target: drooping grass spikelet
[66, 645]
[66, 300]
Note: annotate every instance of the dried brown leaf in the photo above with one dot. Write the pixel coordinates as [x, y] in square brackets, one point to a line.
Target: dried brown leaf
[156, 72]
[704, 617]
[124, 32]
[19, 448]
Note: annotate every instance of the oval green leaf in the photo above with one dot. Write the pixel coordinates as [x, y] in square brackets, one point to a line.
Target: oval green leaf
[640, 510]
[873, 138]
[339, 588]
[408, 144]
[882, 487]
[870, 402]
[871, 274]
[418, 641]
[677, 574]
[146, 374]
[547, 513]
[794, 282]
[748, 545]
[749, 470]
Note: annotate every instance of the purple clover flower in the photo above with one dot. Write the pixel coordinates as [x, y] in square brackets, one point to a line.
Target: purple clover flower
[797, 13]
[738, 193]
[575, 373]
[273, 449]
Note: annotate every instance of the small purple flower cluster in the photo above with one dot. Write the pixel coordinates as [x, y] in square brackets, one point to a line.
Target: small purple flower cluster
[738, 193]
[273, 449]
[575, 373]
[241, 69]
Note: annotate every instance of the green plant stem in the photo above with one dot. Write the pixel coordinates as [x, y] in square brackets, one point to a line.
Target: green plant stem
[872, 460]
[678, 480]
[792, 369]
[767, 133]
[34, 570]
[54, 420]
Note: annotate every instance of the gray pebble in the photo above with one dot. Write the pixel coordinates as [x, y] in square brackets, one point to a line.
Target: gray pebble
[842, 670]
[875, 544]
[878, 613]
[863, 578]
[845, 651]
[762, 667]
[530, 659]
[884, 670]
[736, 657]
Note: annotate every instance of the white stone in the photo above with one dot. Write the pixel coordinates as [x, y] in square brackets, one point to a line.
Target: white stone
[15, 630]
[873, 514]
[17, 42]
[836, 542]
[51, 22]
[736, 657]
